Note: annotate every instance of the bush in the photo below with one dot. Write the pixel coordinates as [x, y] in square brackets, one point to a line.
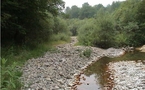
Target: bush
[86, 34]
[73, 25]
[10, 76]
[121, 39]
[87, 53]
[60, 31]
[60, 36]
[104, 30]
[97, 32]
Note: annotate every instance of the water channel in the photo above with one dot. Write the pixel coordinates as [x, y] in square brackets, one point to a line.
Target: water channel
[95, 76]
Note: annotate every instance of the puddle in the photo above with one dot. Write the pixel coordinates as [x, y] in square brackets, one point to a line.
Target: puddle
[97, 77]
[88, 82]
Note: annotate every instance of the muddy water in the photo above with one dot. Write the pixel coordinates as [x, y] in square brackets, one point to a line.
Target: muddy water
[96, 75]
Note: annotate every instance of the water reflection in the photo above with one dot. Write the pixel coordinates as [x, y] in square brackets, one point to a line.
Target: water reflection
[87, 82]
[96, 77]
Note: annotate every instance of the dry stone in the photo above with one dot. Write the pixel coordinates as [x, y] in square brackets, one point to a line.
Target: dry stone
[55, 70]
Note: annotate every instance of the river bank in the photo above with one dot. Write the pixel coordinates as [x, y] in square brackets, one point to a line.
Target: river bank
[56, 70]
[127, 75]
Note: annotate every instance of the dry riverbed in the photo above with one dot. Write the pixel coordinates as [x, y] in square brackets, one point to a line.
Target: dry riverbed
[56, 70]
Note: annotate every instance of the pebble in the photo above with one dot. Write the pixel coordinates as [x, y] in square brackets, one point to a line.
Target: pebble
[54, 70]
[132, 78]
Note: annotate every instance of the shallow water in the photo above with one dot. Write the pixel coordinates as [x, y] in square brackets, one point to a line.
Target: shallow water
[96, 76]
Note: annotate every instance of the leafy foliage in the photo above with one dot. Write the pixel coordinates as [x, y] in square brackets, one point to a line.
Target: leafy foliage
[88, 11]
[97, 32]
[85, 32]
[27, 30]
[10, 76]
[28, 22]
[105, 31]
[119, 24]
[74, 25]
[127, 18]
[87, 53]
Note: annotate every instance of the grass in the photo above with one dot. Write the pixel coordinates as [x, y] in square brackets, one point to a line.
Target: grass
[55, 43]
[77, 44]
[22, 54]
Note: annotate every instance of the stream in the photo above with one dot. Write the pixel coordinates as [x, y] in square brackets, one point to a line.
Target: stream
[96, 75]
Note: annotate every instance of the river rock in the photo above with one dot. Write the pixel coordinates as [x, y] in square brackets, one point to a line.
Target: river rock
[128, 75]
[112, 52]
[54, 70]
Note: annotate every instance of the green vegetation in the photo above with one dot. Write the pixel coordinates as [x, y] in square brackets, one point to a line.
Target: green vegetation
[16, 57]
[87, 53]
[32, 27]
[117, 25]
[29, 29]
[10, 76]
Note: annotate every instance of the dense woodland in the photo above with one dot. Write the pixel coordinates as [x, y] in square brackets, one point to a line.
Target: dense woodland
[28, 26]
[29, 23]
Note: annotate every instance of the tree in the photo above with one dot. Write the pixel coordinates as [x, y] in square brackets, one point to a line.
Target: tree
[86, 11]
[23, 21]
[104, 29]
[127, 18]
[97, 8]
[74, 12]
[140, 14]
[115, 5]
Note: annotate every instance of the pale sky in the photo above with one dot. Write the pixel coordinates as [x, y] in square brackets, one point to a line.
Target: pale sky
[91, 2]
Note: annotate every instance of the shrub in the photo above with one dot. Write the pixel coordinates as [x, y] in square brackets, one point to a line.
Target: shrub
[10, 76]
[87, 53]
[86, 32]
[60, 36]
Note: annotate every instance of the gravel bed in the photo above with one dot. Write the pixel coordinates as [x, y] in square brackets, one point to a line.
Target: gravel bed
[56, 70]
[127, 75]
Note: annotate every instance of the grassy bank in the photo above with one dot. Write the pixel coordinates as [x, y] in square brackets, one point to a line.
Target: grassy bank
[14, 57]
